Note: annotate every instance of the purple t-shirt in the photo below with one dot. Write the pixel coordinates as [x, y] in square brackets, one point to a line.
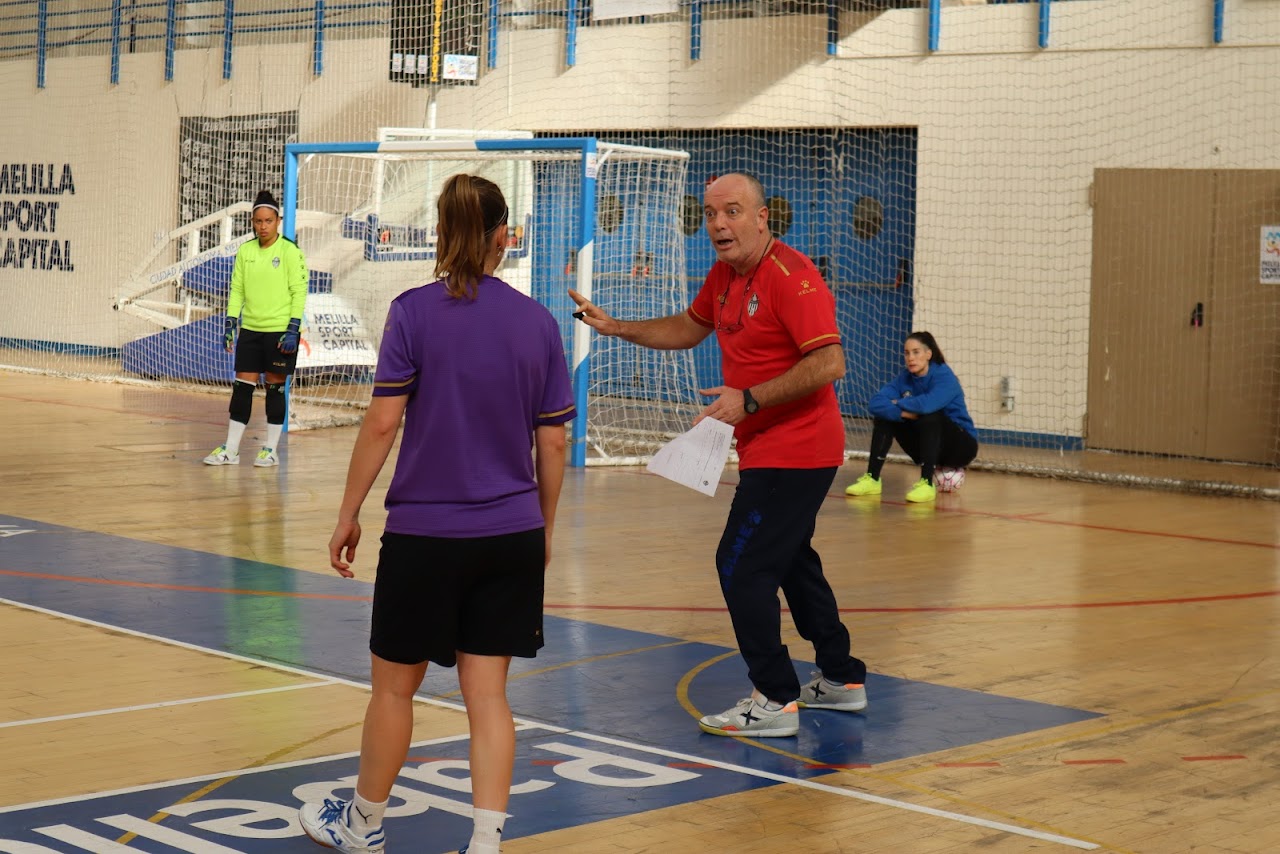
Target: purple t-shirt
[481, 375]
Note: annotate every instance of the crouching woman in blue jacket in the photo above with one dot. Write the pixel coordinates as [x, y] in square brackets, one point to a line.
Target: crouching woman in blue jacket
[923, 409]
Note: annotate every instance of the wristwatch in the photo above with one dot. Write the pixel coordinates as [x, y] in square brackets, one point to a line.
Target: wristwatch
[749, 403]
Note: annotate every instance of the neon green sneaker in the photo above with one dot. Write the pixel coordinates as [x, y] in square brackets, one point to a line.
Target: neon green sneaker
[865, 485]
[923, 491]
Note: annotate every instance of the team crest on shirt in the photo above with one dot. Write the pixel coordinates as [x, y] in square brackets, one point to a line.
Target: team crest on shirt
[275, 262]
[753, 306]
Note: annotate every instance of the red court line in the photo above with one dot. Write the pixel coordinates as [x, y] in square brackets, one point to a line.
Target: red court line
[553, 606]
[1212, 758]
[953, 609]
[1035, 518]
[183, 588]
[1093, 762]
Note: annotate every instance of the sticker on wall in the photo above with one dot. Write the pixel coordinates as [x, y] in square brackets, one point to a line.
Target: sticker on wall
[1269, 255]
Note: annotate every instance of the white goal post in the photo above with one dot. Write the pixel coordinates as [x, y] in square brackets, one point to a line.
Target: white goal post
[602, 218]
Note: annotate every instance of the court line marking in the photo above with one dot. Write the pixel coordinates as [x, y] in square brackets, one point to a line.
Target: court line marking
[1034, 517]
[166, 704]
[857, 795]
[682, 696]
[640, 748]
[205, 778]
[690, 609]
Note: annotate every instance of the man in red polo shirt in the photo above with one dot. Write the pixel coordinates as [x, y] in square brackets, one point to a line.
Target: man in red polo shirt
[775, 321]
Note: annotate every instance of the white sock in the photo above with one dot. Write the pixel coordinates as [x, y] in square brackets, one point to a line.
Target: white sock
[765, 703]
[235, 432]
[486, 836]
[273, 435]
[366, 815]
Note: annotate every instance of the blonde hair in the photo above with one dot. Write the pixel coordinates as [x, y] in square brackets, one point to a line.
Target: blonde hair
[470, 209]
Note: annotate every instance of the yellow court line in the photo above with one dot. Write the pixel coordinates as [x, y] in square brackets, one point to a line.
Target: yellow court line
[682, 695]
[268, 759]
[217, 784]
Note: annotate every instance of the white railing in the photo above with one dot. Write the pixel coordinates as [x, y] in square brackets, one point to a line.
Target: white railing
[136, 293]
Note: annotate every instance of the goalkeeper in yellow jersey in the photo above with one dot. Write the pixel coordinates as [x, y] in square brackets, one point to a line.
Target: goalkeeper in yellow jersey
[269, 285]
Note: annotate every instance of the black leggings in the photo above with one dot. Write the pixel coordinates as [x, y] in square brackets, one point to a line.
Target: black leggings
[931, 440]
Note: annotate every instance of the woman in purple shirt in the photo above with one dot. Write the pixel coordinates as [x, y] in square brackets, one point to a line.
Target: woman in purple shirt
[478, 372]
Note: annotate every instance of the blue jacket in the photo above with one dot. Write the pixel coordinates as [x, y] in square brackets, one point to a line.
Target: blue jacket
[938, 390]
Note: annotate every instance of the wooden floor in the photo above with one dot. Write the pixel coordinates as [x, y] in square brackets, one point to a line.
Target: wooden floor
[1159, 611]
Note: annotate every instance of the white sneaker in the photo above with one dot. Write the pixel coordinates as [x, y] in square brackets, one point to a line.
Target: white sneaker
[266, 457]
[330, 825]
[749, 719]
[220, 457]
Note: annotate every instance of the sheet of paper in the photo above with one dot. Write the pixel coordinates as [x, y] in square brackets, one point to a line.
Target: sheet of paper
[696, 459]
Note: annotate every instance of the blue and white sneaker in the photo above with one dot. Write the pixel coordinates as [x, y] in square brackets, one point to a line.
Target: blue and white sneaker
[266, 457]
[330, 825]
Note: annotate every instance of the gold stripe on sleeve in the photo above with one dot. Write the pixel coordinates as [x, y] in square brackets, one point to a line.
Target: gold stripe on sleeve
[554, 414]
[395, 385]
[781, 266]
[834, 335]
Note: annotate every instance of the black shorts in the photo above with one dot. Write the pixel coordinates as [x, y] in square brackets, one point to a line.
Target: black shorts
[259, 353]
[435, 597]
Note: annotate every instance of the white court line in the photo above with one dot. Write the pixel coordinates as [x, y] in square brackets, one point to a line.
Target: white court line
[643, 748]
[165, 704]
[848, 793]
[242, 772]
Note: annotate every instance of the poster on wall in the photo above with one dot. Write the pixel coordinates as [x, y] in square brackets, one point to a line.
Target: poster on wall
[1269, 255]
[228, 159]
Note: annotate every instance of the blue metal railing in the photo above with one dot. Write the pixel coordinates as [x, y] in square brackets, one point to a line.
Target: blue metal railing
[124, 28]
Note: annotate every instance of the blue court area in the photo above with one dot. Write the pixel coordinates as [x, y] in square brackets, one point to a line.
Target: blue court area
[595, 681]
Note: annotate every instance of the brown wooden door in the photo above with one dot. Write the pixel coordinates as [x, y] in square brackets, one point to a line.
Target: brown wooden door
[1242, 318]
[1153, 232]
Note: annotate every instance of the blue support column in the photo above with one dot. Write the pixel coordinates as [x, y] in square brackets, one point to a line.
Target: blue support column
[833, 27]
[1219, 16]
[585, 271]
[571, 34]
[42, 40]
[695, 30]
[494, 20]
[228, 36]
[289, 228]
[115, 41]
[1044, 23]
[170, 36]
[935, 23]
[317, 47]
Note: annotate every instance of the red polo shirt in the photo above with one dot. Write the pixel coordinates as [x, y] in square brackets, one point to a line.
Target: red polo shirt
[766, 322]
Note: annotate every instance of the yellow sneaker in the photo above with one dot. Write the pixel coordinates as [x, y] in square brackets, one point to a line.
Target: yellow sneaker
[865, 485]
[923, 491]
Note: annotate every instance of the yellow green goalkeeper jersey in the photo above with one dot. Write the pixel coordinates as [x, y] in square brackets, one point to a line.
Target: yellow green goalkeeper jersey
[270, 285]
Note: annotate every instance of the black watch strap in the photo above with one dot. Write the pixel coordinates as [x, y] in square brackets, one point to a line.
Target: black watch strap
[749, 404]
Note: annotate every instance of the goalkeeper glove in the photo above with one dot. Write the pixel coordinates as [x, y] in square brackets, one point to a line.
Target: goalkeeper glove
[229, 334]
[289, 340]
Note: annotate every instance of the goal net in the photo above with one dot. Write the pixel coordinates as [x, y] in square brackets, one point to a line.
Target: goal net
[600, 218]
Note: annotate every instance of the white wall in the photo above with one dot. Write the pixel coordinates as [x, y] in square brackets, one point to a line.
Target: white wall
[1009, 136]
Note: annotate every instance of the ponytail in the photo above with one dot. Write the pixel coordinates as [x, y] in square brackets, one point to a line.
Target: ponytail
[926, 338]
[470, 209]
